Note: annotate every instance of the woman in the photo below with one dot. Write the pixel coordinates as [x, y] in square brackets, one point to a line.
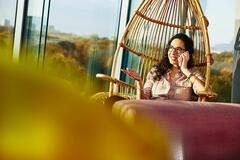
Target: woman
[173, 77]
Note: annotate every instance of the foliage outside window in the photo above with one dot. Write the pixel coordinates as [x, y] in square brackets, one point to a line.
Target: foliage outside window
[82, 42]
[7, 20]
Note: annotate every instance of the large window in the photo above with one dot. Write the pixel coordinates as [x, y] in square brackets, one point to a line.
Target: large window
[7, 21]
[222, 33]
[81, 40]
[81, 36]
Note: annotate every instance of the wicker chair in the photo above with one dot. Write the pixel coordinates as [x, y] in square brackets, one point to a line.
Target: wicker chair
[147, 33]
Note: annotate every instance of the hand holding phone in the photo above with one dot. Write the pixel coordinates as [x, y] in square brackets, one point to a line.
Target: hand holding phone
[183, 60]
[180, 60]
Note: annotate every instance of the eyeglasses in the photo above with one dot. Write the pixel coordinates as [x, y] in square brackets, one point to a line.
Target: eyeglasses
[178, 49]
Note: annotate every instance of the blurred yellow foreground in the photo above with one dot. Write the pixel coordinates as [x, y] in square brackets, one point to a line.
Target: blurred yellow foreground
[45, 118]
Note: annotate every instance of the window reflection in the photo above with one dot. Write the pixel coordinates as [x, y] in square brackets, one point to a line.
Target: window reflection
[34, 32]
[82, 40]
[7, 20]
[130, 60]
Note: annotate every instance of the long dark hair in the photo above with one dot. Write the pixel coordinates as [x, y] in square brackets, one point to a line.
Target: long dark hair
[162, 67]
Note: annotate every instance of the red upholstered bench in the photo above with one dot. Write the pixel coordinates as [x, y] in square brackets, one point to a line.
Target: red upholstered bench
[208, 131]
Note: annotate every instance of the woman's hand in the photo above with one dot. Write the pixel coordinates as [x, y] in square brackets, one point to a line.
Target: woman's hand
[183, 60]
[132, 73]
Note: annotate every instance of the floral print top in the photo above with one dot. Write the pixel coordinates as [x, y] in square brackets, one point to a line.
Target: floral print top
[179, 88]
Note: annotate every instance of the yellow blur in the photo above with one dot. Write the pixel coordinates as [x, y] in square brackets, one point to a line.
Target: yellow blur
[45, 118]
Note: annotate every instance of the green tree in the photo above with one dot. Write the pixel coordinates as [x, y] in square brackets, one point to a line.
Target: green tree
[221, 79]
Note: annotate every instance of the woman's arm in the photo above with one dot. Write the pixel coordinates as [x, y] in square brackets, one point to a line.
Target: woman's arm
[196, 80]
[143, 92]
[134, 75]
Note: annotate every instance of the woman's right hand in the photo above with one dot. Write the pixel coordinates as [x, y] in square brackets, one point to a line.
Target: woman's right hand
[132, 73]
[183, 60]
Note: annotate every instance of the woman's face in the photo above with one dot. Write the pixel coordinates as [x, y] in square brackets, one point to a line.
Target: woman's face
[176, 48]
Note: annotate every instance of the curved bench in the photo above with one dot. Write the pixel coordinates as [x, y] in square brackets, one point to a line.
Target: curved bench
[207, 130]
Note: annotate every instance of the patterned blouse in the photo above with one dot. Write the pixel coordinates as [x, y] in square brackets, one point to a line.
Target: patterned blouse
[179, 88]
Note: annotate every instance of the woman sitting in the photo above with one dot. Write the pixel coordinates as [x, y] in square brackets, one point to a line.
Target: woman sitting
[173, 78]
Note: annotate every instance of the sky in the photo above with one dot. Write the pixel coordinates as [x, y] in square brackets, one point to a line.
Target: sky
[221, 15]
[7, 10]
[84, 17]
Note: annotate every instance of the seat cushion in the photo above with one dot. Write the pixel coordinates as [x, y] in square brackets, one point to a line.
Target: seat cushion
[207, 130]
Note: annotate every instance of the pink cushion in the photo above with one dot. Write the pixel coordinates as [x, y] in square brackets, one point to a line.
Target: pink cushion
[208, 130]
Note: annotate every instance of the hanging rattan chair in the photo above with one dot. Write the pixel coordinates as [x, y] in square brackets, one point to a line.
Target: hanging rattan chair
[147, 33]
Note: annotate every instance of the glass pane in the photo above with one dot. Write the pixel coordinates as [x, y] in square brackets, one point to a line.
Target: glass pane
[222, 34]
[7, 21]
[222, 31]
[35, 24]
[133, 6]
[130, 60]
[82, 40]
